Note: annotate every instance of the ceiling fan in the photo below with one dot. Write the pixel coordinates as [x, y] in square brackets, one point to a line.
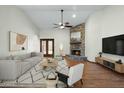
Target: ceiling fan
[61, 24]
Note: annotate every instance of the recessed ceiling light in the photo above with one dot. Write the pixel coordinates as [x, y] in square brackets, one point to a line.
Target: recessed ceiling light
[62, 27]
[74, 15]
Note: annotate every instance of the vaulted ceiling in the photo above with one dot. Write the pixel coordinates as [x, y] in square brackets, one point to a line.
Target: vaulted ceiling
[44, 16]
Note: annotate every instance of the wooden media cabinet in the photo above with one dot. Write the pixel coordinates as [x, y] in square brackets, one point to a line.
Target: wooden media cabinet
[110, 64]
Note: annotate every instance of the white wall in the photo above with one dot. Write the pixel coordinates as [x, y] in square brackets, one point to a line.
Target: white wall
[14, 19]
[104, 23]
[60, 37]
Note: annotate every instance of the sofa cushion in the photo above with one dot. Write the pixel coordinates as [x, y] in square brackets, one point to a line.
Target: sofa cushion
[33, 59]
[33, 54]
[6, 58]
[22, 57]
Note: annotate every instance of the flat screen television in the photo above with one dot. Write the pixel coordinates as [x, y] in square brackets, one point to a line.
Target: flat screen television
[113, 45]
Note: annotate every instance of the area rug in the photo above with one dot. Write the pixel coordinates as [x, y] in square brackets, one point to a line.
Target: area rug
[34, 78]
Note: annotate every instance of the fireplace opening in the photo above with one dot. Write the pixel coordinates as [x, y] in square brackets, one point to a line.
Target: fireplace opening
[76, 52]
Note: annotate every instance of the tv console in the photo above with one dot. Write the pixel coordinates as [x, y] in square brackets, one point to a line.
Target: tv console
[110, 64]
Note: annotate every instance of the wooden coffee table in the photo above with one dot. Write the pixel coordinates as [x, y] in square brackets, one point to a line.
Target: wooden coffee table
[49, 62]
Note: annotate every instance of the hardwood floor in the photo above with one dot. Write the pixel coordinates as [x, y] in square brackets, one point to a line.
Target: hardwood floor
[98, 76]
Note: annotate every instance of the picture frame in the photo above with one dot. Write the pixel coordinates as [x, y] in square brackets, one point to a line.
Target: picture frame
[17, 41]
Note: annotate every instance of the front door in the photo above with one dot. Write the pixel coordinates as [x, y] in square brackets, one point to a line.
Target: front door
[47, 47]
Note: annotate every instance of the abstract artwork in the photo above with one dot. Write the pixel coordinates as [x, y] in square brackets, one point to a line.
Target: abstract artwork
[18, 41]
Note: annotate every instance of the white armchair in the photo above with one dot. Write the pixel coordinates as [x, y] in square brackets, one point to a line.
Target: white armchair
[75, 74]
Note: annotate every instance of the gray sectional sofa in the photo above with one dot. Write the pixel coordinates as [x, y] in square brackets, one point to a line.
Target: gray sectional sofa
[13, 67]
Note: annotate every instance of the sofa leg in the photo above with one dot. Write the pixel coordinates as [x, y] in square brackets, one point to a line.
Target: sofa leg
[17, 81]
[56, 85]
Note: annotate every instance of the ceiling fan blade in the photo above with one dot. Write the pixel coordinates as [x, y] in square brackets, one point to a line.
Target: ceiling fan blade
[55, 27]
[56, 24]
[67, 23]
[68, 26]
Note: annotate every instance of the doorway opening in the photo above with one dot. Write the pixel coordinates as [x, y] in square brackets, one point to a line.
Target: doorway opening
[47, 47]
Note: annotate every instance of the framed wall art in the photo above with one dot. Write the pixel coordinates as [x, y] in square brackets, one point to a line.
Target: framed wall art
[18, 41]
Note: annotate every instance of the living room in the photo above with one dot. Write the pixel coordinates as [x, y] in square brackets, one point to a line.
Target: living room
[36, 23]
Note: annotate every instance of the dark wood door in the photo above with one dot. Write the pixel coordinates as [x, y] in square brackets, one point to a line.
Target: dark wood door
[47, 47]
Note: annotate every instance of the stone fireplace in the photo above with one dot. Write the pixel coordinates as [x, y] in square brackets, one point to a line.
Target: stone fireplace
[77, 40]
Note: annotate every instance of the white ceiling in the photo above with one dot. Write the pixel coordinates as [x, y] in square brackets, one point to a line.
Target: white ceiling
[44, 16]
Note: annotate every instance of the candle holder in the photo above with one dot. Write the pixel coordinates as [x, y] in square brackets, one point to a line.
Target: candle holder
[100, 54]
[119, 61]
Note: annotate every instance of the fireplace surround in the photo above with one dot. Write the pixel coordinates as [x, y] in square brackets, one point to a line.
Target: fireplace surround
[77, 40]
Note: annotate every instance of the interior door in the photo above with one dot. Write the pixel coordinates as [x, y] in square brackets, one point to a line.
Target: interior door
[47, 47]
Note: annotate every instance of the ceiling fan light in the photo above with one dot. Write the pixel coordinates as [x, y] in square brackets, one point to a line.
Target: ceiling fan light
[62, 27]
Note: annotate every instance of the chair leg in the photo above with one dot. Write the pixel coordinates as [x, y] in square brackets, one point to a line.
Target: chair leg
[57, 83]
[81, 81]
[67, 85]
